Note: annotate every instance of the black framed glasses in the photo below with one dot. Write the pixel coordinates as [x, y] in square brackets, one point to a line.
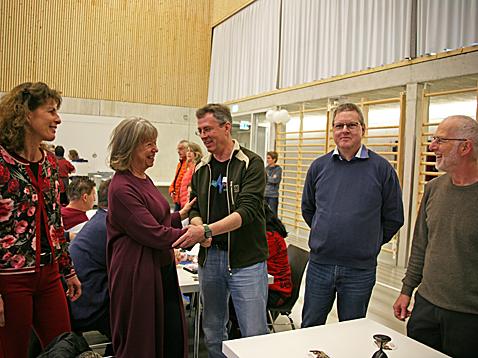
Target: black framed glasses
[441, 140]
[352, 126]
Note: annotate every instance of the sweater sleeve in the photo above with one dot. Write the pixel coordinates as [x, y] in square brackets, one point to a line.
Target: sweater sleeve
[414, 273]
[276, 176]
[392, 206]
[129, 212]
[71, 168]
[308, 195]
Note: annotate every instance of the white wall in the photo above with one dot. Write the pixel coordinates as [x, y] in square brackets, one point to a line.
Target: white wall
[87, 125]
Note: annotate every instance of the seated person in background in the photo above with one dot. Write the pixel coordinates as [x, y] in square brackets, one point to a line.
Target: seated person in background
[64, 169]
[81, 193]
[74, 156]
[88, 252]
[278, 261]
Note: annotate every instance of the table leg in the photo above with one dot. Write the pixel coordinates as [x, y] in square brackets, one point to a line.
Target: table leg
[197, 325]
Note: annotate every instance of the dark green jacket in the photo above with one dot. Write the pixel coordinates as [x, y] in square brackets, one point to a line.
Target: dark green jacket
[246, 182]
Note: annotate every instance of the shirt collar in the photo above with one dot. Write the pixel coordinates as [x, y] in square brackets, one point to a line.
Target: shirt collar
[362, 153]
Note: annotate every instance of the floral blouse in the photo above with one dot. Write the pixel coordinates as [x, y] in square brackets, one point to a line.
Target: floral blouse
[24, 199]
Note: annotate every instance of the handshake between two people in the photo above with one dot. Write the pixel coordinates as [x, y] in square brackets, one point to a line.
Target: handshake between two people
[194, 233]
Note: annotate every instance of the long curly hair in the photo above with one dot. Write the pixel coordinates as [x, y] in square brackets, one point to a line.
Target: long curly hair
[15, 107]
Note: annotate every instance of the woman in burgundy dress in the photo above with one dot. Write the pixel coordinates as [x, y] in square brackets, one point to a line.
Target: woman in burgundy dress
[147, 314]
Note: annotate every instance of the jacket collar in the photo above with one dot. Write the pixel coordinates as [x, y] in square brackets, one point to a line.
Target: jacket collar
[236, 152]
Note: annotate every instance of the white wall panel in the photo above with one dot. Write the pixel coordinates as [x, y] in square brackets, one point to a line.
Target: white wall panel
[245, 52]
[446, 24]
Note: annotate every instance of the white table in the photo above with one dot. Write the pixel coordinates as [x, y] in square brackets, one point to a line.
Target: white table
[344, 339]
[188, 282]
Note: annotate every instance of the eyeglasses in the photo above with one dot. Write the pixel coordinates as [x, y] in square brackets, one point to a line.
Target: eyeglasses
[441, 140]
[206, 130]
[352, 126]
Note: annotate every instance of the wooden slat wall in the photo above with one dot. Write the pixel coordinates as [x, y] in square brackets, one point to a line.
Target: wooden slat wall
[145, 51]
[222, 9]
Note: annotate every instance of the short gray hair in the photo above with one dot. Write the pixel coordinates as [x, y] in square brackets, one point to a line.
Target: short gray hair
[221, 112]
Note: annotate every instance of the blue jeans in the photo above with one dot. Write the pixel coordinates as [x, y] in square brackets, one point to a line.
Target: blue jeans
[248, 288]
[352, 286]
[273, 204]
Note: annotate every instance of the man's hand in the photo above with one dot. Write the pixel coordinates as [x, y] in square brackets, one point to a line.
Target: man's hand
[74, 288]
[400, 307]
[191, 237]
[2, 313]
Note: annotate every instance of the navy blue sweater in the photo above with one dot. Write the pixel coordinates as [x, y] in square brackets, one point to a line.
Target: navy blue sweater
[352, 207]
[88, 252]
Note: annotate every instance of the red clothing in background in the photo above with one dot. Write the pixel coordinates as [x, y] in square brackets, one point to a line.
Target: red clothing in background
[72, 217]
[175, 186]
[185, 182]
[278, 264]
[64, 167]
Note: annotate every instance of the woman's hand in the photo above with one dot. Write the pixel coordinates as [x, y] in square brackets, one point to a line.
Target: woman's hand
[185, 210]
[2, 313]
[191, 237]
[74, 288]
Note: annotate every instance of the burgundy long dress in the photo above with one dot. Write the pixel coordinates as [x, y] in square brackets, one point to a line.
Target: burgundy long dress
[147, 315]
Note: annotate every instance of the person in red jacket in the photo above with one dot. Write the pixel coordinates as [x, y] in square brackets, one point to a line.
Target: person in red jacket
[65, 168]
[193, 155]
[277, 262]
[175, 187]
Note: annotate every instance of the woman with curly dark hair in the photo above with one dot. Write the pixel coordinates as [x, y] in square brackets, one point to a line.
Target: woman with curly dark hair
[33, 250]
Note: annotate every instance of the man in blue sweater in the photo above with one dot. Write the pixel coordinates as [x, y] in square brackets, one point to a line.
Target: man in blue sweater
[88, 252]
[352, 202]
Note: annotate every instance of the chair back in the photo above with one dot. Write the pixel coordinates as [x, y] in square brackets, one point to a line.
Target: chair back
[298, 259]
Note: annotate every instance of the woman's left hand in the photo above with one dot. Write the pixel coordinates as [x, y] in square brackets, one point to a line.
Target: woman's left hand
[74, 288]
[187, 207]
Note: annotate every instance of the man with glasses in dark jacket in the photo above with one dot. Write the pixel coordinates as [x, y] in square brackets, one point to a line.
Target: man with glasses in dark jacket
[228, 219]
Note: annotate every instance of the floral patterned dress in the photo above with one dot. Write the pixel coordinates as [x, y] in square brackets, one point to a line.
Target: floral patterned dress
[29, 209]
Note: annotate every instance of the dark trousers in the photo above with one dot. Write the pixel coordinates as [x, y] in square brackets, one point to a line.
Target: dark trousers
[453, 333]
[32, 299]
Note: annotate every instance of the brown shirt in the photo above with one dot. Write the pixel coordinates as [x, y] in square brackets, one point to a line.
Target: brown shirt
[444, 258]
